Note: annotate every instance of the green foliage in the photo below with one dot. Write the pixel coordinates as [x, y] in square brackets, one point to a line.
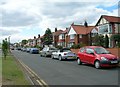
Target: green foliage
[118, 44]
[48, 37]
[39, 47]
[99, 40]
[5, 47]
[76, 46]
[106, 41]
[59, 47]
[116, 39]
[24, 42]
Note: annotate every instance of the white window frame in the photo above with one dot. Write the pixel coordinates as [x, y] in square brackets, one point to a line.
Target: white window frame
[72, 36]
[80, 36]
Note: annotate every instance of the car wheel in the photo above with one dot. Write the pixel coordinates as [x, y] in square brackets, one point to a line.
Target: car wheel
[97, 64]
[45, 55]
[60, 58]
[52, 56]
[41, 55]
[79, 61]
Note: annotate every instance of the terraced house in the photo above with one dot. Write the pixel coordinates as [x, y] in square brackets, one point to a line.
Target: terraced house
[108, 25]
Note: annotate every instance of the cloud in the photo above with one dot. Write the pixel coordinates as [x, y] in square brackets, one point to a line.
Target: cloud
[24, 15]
[9, 31]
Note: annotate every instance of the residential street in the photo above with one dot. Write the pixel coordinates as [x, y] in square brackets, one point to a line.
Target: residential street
[55, 72]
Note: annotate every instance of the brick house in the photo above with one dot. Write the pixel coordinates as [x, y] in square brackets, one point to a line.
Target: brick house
[79, 34]
[34, 41]
[30, 43]
[108, 25]
[56, 37]
[38, 40]
[62, 39]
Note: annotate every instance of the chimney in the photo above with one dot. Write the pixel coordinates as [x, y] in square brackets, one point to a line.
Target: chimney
[66, 28]
[86, 24]
[38, 35]
[55, 29]
[34, 37]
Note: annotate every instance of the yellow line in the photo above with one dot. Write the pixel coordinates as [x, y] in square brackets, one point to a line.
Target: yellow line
[40, 83]
[34, 74]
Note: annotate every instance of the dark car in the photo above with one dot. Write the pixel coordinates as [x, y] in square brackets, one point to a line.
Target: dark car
[97, 56]
[34, 50]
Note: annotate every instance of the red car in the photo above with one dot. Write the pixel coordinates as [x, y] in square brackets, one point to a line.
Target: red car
[97, 56]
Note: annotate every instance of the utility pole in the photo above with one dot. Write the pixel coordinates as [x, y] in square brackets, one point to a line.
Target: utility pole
[9, 43]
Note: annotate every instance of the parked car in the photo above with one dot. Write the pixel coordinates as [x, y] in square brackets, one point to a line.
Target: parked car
[18, 48]
[47, 51]
[64, 53]
[23, 49]
[34, 50]
[97, 56]
[28, 50]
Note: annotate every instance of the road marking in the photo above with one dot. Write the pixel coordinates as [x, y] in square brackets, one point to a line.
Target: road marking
[33, 74]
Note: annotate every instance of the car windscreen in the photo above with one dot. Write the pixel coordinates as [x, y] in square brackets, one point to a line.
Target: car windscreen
[53, 48]
[66, 50]
[101, 50]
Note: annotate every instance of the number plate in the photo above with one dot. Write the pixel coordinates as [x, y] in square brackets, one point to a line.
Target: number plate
[70, 56]
[114, 61]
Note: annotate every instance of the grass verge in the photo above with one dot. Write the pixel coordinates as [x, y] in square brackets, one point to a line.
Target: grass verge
[12, 73]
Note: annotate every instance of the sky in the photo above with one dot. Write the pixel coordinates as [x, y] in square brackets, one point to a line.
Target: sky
[24, 19]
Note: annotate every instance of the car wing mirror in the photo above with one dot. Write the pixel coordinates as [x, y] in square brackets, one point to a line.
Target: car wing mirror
[92, 53]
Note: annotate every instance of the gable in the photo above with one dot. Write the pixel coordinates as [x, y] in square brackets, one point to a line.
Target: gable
[94, 31]
[72, 31]
[102, 21]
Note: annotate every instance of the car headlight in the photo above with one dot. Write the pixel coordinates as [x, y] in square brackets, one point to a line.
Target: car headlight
[103, 58]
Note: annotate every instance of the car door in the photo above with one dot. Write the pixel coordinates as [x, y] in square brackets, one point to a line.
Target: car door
[89, 56]
[44, 51]
[81, 54]
[55, 54]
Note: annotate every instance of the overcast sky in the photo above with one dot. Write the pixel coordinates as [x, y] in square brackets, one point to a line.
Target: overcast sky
[24, 19]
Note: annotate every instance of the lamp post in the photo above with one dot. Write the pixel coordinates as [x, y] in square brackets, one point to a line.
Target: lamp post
[9, 42]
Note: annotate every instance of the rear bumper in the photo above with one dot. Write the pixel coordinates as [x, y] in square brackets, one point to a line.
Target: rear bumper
[69, 57]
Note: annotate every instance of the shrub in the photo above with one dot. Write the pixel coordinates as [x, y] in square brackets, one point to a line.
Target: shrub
[59, 47]
[76, 46]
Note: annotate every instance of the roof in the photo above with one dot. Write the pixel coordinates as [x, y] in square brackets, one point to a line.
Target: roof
[57, 32]
[80, 29]
[65, 31]
[112, 19]
[93, 47]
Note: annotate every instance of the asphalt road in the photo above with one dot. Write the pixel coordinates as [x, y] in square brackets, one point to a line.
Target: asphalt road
[55, 72]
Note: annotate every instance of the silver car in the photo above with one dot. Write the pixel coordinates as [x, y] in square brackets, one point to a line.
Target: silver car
[64, 53]
[47, 51]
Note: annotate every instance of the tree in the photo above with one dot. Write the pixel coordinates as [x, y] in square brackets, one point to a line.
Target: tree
[106, 41]
[5, 47]
[24, 42]
[116, 38]
[99, 40]
[48, 37]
